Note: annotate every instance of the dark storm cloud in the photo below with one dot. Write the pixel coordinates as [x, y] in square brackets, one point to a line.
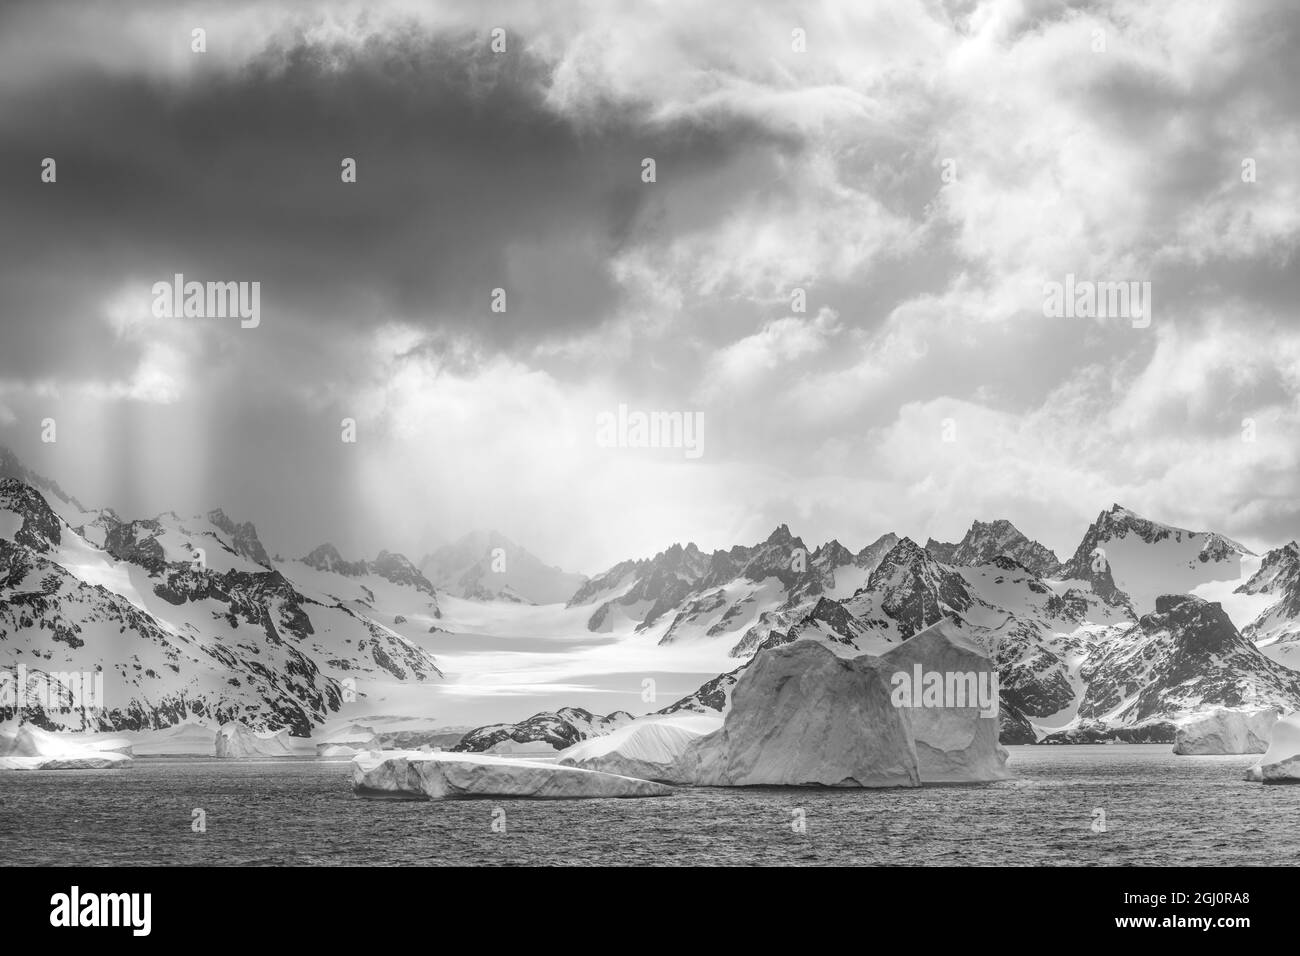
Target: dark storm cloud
[467, 182]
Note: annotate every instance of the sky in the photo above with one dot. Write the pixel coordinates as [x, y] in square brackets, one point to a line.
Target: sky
[921, 171]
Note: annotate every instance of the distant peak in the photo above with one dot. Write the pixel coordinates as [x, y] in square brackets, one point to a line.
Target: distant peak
[781, 534]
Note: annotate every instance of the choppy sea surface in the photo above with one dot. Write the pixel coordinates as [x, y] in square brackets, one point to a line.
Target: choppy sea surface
[1094, 805]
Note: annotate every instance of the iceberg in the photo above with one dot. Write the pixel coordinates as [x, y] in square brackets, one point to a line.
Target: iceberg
[954, 744]
[650, 748]
[416, 775]
[1226, 730]
[1281, 762]
[799, 716]
[30, 748]
[348, 741]
[237, 742]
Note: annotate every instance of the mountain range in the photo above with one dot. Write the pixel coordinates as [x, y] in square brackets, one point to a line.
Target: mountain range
[488, 566]
[191, 618]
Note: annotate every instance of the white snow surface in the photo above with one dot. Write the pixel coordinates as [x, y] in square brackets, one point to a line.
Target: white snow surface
[413, 774]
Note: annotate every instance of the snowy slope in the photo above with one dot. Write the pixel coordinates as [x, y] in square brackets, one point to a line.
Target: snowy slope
[1146, 559]
[189, 619]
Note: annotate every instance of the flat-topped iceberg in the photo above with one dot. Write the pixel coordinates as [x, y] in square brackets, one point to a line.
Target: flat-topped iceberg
[413, 774]
[800, 715]
[954, 744]
[650, 748]
[29, 748]
[1281, 762]
[1226, 730]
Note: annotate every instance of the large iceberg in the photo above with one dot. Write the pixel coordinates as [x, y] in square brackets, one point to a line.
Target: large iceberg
[954, 744]
[235, 741]
[1281, 762]
[800, 715]
[414, 774]
[29, 748]
[650, 748]
[1226, 730]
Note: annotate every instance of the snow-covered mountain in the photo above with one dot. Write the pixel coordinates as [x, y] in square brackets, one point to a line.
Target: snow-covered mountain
[1184, 658]
[1276, 630]
[188, 618]
[1146, 559]
[487, 566]
[987, 540]
[745, 591]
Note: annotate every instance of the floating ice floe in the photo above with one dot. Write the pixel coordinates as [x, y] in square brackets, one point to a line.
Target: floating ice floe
[1226, 730]
[417, 775]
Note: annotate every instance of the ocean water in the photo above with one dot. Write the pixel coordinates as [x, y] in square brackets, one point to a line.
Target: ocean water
[1158, 809]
